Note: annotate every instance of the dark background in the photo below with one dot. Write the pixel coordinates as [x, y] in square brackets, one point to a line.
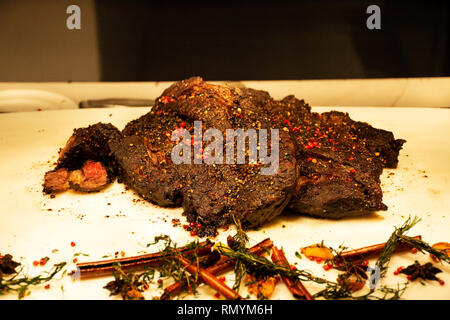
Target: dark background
[149, 41]
[136, 40]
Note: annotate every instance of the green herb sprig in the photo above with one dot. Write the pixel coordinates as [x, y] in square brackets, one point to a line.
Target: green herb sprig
[21, 283]
[392, 243]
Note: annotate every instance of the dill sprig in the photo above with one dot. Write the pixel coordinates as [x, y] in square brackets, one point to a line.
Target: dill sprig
[21, 283]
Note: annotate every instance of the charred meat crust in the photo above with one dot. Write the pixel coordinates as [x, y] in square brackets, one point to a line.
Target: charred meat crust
[86, 162]
[329, 165]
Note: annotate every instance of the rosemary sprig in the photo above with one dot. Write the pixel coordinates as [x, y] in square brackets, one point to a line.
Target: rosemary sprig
[262, 266]
[332, 290]
[240, 241]
[130, 285]
[21, 283]
[392, 244]
[422, 246]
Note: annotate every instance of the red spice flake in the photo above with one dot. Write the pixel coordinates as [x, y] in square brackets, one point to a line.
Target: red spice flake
[414, 250]
[193, 233]
[217, 295]
[351, 158]
[183, 125]
[47, 286]
[396, 272]
[365, 263]
[171, 100]
[352, 171]
[330, 140]
[319, 260]
[199, 225]
[222, 279]
[75, 260]
[293, 267]
[441, 282]
[286, 122]
[35, 263]
[311, 145]
[73, 244]
[43, 261]
[409, 277]
[326, 267]
[165, 99]
[158, 112]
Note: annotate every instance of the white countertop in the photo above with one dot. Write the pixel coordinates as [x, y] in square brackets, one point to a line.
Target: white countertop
[400, 92]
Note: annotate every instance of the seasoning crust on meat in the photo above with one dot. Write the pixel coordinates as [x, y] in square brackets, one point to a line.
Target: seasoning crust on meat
[329, 165]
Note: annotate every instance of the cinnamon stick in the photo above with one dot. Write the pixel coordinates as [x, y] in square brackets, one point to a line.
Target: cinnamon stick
[295, 286]
[106, 267]
[371, 251]
[223, 265]
[210, 279]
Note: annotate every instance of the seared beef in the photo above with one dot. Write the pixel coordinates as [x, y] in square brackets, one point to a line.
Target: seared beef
[86, 162]
[329, 165]
[144, 158]
[211, 194]
[214, 194]
[338, 171]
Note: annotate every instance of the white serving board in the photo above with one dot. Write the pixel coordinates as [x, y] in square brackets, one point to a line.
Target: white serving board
[32, 225]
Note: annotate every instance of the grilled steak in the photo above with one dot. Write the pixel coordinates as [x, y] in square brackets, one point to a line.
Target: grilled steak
[329, 165]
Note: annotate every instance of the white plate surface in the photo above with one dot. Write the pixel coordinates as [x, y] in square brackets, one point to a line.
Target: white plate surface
[15, 100]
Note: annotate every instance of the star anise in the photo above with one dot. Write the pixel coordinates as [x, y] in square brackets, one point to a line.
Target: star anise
[127, 285]
[8, 265]
[426, 271]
